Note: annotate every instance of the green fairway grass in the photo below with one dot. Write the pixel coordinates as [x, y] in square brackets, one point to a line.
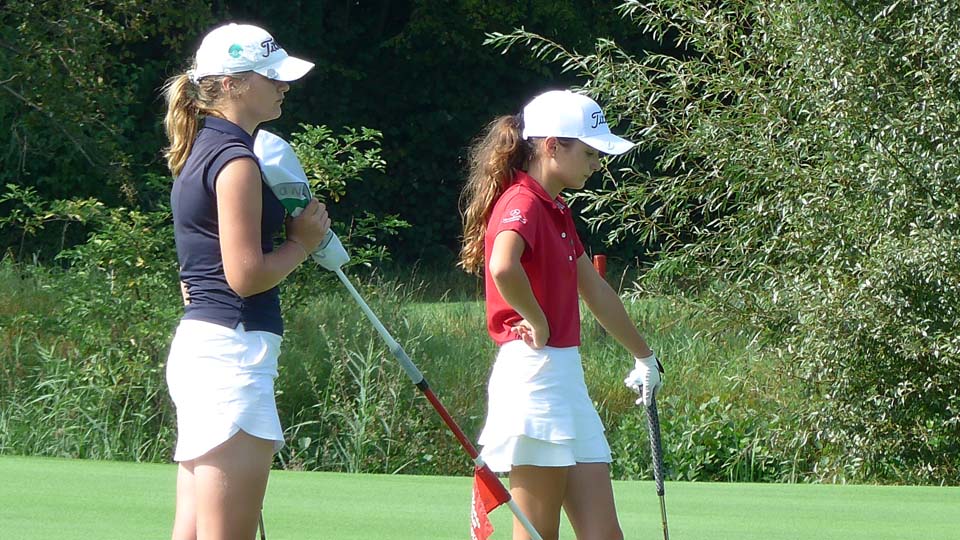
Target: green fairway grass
[47, 499]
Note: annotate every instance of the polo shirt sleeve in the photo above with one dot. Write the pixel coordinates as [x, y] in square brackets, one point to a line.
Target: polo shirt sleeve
[225, 155]
[519, 213]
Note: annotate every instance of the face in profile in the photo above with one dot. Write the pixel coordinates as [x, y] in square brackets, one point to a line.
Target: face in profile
[575, 163]
[262, 98]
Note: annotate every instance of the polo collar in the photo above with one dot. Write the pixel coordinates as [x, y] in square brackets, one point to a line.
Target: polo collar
[228, 127]
[528, 182]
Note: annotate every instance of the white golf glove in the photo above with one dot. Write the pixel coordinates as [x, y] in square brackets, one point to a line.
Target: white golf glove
[645, 378]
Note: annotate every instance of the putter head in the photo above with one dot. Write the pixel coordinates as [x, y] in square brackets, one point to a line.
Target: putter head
[330, 254]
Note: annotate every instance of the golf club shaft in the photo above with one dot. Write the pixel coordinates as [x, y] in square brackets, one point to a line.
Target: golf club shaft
[421, 383]
[656, 449]
[263, 532]
[395, 349]
[663, 516]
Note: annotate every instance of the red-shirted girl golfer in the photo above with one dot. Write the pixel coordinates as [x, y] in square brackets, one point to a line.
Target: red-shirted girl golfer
[541, 425]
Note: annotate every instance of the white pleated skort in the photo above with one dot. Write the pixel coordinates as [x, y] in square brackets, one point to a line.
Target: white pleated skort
[539, 411]
[221, 382]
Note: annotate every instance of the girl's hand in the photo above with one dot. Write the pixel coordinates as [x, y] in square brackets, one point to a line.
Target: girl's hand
[310, 226]
[535, 338]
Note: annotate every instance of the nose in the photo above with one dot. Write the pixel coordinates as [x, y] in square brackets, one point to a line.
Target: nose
[282, 87]
[595, 163]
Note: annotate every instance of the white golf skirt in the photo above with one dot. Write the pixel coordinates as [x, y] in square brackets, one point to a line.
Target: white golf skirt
[539, 411]
[221, 381]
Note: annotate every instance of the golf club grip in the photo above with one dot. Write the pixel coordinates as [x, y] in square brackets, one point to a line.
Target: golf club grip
[653, 425]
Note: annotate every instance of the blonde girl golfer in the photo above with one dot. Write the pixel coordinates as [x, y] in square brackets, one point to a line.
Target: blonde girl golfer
[223, 358]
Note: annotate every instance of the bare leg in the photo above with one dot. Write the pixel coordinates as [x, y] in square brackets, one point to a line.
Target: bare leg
[230, 483]
[538, 492]
[185, 522]
[589, 503]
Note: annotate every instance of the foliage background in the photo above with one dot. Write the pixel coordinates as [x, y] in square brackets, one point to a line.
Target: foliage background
[793, 205]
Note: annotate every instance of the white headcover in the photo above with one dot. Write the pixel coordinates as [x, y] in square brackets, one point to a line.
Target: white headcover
[284, 174]
[282, 171]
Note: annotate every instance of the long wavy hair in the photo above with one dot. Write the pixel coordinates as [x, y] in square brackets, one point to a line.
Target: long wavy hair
[496, 154]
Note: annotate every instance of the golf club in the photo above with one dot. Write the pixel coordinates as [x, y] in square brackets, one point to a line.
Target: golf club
[653, 426]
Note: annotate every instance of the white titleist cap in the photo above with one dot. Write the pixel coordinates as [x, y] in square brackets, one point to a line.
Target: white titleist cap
[562, 113]
[236, 48]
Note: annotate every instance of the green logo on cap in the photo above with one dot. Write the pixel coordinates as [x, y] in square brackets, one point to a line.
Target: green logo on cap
[235, 51]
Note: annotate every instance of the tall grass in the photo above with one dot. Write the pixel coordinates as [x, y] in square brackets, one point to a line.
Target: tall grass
[74, 381]
[81, 374]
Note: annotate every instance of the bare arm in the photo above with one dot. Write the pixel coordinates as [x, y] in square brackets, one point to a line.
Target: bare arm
[607, 307]
[239, 205]
[512, 282]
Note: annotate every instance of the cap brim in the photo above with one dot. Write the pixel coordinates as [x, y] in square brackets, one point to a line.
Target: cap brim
[288, 69]
[608, 143]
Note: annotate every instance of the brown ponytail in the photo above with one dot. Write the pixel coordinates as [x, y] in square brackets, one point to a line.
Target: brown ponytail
[495, 156]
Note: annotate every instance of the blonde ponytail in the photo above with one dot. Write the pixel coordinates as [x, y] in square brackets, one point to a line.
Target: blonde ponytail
[181, 121]
[498, 153]
[187, 102]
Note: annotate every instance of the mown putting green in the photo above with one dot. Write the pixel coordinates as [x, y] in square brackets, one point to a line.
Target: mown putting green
[56, 499]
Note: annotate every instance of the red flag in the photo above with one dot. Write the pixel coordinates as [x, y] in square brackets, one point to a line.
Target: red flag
[488, 493]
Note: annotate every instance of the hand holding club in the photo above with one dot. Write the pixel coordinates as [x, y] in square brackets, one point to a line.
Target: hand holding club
[310, 226]
[645, 378]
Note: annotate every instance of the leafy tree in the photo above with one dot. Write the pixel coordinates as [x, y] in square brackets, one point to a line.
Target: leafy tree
[805, 190]
[78, 87]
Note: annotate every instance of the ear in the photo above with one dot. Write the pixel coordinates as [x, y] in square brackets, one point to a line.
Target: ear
[232, 86]
[550, 146]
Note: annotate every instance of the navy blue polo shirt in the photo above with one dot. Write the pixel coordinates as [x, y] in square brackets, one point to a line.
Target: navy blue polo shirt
[193, 201]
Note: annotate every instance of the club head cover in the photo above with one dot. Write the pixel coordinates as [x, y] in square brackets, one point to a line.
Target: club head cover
[282, 171]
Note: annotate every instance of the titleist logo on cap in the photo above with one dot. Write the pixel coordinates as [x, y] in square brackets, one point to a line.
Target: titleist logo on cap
[236, 48]
[598, 119]
[270, 46]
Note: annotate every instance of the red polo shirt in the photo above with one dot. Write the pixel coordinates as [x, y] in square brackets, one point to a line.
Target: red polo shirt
[549, 259]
